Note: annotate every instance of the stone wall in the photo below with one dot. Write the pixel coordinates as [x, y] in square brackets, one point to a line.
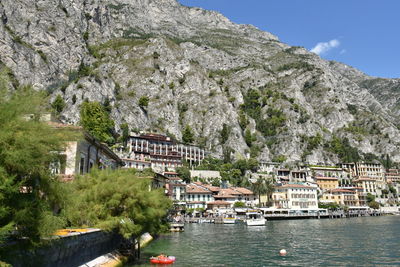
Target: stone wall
[72, 250]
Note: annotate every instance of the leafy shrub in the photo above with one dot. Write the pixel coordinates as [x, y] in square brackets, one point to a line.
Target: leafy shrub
[143, 102]
[58, 104]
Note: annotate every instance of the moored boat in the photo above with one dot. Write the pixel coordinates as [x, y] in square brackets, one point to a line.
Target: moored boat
[162, 259]
[255, 219]
[229, 218]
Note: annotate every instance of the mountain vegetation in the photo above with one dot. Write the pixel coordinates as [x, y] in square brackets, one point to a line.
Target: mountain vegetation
[158, 66]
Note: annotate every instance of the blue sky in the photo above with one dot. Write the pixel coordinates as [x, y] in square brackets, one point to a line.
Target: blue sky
[364, 34]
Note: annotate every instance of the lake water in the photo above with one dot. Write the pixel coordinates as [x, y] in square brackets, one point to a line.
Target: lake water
[364, 241]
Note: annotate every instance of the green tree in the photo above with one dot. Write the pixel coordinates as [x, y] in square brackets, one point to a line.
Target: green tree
[187, 135]
[239, 204]
[226, 130]
[269, 188]
[143, 102]
[248, 137]
[374, 205]
[370, 198]
[392, 190]
[184, 173]
[259, 188]
[125, 133]
[97, 122]
[28, 190]
[58, 104]
[117, 200]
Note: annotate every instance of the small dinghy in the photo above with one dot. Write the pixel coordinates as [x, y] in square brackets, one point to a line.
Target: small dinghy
[162, 259]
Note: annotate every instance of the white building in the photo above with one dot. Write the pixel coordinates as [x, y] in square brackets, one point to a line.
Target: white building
[295, 196]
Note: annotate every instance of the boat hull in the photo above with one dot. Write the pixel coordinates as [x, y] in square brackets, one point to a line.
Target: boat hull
[256, 222]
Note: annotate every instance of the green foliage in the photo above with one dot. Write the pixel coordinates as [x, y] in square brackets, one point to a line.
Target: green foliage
[84, 70]
[239, 204]
[352, 109]
[243, 121]
[392, 190]
[248, 137]
[184, 173]
[275, 120]
[374, 205]
[187, 135]
[26, 148]
[58, 104]
[370, 198]
[279, 158]
[225, 132]
[252, 103]
[125, 133]
[330, 205]
[117, 91]
[42, 55]
[312, 142]
[117, 200]
[232, 172]
[343, 149]
[262, 187]
[96, 120]
[143, 102]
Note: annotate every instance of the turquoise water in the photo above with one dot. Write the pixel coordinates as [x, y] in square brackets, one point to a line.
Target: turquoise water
[365, 241]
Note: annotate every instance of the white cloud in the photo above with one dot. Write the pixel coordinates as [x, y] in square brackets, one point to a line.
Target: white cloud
[322, 48]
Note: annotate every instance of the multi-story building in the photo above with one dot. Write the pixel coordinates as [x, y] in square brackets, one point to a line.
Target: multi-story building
[392, 176]
[330, 171]
[327, 183]
[176, 188]
[295, 196]
[197, 196]
[367, 184]
[161, 151]
[343, 197]
[375, 171]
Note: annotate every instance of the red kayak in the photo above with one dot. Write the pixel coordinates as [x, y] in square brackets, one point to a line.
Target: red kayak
[162, 260]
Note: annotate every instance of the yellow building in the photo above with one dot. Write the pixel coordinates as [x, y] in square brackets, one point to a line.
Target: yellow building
[327, 183]
[343, 197]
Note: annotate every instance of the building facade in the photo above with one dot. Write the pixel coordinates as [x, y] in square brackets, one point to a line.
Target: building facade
[295, 196]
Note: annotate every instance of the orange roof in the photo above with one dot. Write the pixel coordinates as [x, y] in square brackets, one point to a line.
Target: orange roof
[243, 190]
[211, 187]
[228, 191]
[192, 188]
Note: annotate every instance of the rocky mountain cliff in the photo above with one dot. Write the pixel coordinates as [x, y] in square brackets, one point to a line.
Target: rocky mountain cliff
[241, 91]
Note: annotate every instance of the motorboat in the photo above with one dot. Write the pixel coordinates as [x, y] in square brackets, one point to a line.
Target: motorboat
[229, 218]
[255, 219]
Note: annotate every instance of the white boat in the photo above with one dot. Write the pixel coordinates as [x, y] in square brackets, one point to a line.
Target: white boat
[255, 219]
[229, 218]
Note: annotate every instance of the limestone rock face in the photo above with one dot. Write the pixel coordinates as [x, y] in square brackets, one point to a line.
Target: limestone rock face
[199, 69]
